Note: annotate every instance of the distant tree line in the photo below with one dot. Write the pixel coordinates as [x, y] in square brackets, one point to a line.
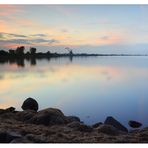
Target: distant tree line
[18, 51]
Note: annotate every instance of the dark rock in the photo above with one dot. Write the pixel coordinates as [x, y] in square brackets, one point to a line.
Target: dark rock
[3, 137]
[10, 109]
[30, 104]
[115, 123]
[25, 115]
[72, 119]
[108, 129]
[6, 137]
[134, 124]
[12, 135]
[21, 140]
[97, 124]
[49, 116]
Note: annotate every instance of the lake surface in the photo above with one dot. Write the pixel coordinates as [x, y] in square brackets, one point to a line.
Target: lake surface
[91, 88]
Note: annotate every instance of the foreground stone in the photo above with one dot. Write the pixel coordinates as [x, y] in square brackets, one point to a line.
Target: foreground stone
[30, 104]
[111, 121]
[49, 116]
[134, 124]
[52, 126]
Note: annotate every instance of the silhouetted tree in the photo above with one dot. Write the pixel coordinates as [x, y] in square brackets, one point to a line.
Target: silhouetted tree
[12, 52]
[20, 62]
[32, 50]
[3, 53]
[20, 50]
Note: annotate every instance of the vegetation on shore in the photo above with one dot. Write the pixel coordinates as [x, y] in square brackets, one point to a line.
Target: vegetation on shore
[19, 53]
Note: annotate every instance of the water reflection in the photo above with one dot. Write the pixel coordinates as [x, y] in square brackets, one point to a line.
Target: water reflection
[20, 62]
[86, 87]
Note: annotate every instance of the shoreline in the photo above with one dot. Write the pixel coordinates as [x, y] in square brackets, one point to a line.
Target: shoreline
[50, 125]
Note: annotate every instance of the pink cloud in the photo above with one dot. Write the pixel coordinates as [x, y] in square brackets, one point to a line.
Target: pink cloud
[6, 10]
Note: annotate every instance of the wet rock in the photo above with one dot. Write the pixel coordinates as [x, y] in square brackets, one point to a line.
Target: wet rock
[97, 124]
[115, 123]
[72, 119]
[25, 115]
[30, 104]
[134, 124]
[108, 129]
[49, 116]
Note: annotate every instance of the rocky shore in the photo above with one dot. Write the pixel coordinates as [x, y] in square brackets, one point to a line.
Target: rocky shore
[52, 126]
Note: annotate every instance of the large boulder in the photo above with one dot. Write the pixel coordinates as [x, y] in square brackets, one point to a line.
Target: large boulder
[134, 124]
[30, 104]
[112, 121]
[49, 116]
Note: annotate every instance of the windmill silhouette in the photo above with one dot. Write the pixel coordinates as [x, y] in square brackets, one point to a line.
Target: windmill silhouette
[69, 50]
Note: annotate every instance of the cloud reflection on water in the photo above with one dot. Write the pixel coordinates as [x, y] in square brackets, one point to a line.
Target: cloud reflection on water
[93, 87]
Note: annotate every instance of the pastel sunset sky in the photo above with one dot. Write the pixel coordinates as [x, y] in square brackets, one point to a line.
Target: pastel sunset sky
[86, 28]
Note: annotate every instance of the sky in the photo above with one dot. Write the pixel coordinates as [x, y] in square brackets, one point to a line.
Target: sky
[84, 28]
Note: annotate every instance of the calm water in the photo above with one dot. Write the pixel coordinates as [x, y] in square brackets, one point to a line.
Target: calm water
[91, 88]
